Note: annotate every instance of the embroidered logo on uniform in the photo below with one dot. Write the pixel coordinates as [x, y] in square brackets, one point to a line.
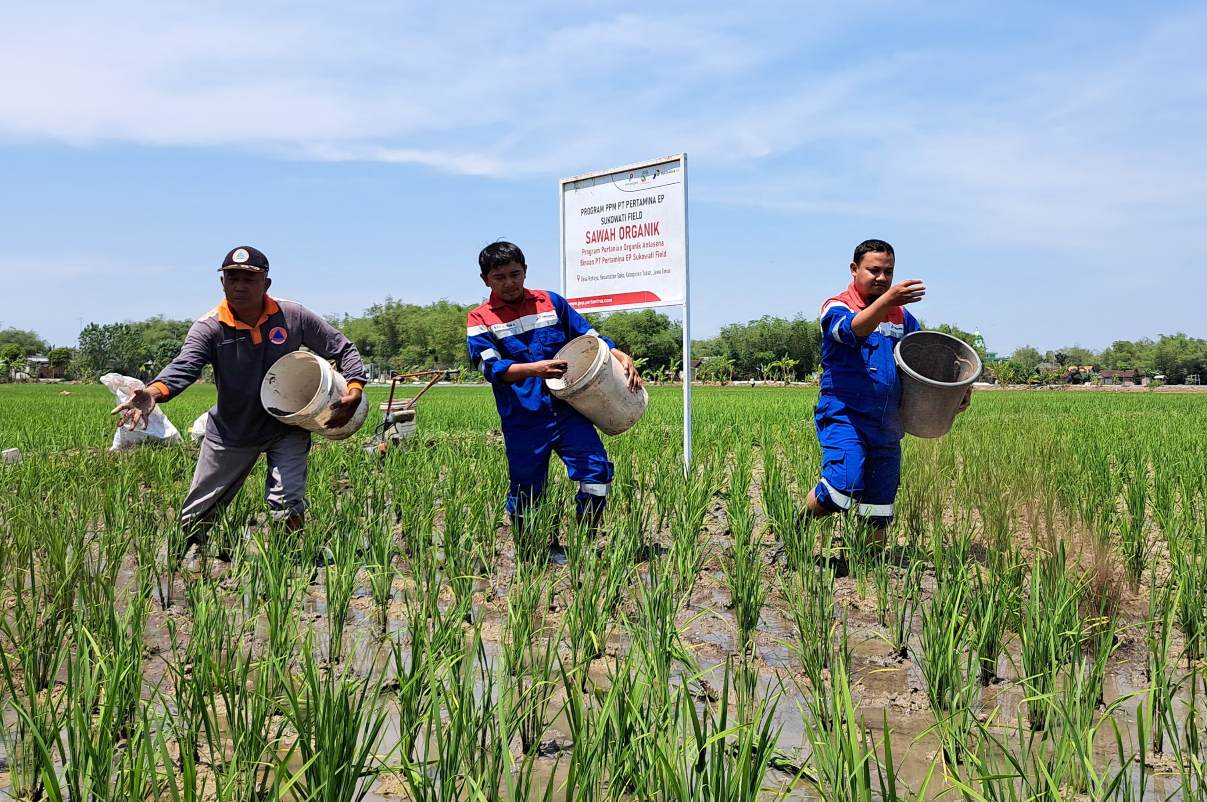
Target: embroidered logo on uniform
[278, 335]
[240, 256]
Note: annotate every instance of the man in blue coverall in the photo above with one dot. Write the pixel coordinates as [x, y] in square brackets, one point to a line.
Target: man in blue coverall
[858, 424]
[512, 339]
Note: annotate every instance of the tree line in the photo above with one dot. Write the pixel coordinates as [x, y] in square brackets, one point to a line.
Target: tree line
[398, 336]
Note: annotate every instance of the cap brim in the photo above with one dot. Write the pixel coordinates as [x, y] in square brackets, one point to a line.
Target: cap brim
[248, 268]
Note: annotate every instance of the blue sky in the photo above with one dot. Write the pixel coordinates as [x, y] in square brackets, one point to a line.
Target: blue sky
[1043, 166]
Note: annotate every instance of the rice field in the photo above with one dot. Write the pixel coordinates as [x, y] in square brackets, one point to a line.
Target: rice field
[1035, 629]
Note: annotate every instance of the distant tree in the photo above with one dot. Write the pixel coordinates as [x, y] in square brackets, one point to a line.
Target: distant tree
[12, 361]
[110, 347]
[60, 359]
[1177, 356]
[1128, 355]
[643, 334]
[1026, 359]
[1007, 372]
[759, 342]
[716, 368]
[29, 342]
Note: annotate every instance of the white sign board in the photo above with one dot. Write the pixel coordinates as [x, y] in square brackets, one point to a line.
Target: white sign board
[624, 237]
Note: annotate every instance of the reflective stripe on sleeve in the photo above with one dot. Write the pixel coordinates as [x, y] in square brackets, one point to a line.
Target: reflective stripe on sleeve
[474, 331]
[841, 499]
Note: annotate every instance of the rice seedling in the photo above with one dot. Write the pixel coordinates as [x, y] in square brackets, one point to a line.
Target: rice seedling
[339, 583]
[1050, 631]
[1133, 530]
[338, 722]
[898, 595]
[1158, 703]
[948, 666]
[722, 760]
[991, 602]
[743, 566]
[124, 675]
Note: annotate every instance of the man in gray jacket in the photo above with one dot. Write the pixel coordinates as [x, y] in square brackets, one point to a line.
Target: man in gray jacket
[241, 338]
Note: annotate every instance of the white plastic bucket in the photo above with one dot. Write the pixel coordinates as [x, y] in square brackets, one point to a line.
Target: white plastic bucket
[299, 390]
[595, 385]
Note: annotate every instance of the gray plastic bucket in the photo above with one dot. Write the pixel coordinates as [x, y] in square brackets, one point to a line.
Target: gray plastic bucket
[936, 371]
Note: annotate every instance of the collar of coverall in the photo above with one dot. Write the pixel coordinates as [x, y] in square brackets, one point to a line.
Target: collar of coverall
[498, 302]
[858, 303]
[227, 315]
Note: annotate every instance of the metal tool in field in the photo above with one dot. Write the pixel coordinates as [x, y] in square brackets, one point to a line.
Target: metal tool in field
[398, 418]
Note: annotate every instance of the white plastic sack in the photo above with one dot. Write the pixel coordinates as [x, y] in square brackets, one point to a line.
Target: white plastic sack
[197, 430]
[159, 431]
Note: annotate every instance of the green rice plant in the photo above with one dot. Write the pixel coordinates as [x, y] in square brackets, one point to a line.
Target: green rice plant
[1016, 763]
[229, 702]
[339, 582]
[743, 565]
[782, 515]
[636, 717]
[991, 603]
[841, 754]
[1075, 709]
[811, 595]
[586, 765]
[1188, 564]
[414, 665]
[1157, 708]
[653, 630]
[1050, 631]
[898, 594]
[102, 690]
[43, 581]
[687, 514]
[1186, 748]
[1133, 531]
[382, 570]
[948, 666]
[461, 753]
[588, 611]
[443, 623]
[529, 651]
[30, 740]
[723, 760]
[524, 697]
[338, 720]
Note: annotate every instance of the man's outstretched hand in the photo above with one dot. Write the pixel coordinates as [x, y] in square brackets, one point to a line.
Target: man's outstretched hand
[344, 408]
[909, 291]
[137, 409]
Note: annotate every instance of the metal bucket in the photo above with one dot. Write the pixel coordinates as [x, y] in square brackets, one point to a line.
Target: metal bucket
[936, 371]
[595, 385]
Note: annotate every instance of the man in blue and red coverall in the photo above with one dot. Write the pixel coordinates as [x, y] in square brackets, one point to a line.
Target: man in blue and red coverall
[512, 339]
[858, 424]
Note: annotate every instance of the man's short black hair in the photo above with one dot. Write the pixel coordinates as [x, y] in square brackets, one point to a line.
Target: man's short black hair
[872, 246]
[500, 253]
